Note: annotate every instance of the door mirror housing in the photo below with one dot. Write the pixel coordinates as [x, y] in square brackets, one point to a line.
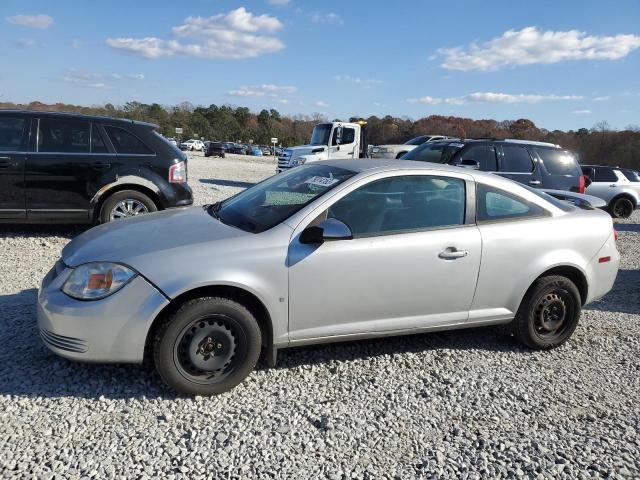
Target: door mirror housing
[470, 163]
[330, 229]
[339, 135]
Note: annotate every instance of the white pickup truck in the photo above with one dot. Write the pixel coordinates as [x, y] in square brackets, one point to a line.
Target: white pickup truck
[335, 141]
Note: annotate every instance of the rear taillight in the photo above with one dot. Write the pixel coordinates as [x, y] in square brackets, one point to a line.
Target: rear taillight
[178, 173]
[615, 235]
[583, 184]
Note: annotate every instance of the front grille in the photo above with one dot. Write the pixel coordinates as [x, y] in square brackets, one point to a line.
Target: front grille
[283, 162]
[69, 344]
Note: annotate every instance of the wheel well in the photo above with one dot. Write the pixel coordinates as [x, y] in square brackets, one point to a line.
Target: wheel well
[573, 274]
[400, 154]
[248, 299]
[118, 188]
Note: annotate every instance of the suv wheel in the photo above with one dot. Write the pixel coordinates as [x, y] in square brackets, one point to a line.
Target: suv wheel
[622, 208]
[548, 314]
[208, 346]
[127, 203]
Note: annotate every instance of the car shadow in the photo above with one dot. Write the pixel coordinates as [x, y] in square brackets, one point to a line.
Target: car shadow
[227, 183]
[624, 297]
[42, 230]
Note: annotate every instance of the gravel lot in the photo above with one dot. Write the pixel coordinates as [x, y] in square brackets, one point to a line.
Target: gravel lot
[469, 404]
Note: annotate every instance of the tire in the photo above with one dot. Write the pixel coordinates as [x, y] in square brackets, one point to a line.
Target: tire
[207, 347]
[113, 204]
[621, 207]
[537, 324]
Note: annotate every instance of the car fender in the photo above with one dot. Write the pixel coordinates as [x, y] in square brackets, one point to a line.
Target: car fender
[124, 180]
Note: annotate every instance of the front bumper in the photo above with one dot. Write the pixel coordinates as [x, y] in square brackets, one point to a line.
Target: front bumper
[113, 329]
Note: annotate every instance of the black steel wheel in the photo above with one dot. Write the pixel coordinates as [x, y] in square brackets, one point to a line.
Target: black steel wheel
[549, 313]
[207, 346]
[622, 208]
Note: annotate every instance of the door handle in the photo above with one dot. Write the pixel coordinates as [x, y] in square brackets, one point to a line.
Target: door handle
[535, 182]
[5, 162]
[452, 253]
[613, 185]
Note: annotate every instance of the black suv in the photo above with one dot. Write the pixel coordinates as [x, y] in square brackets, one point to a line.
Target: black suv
[71, 168]
[538, 164]
[214, 149]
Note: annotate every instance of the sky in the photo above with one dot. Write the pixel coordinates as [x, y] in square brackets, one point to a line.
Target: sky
[563, 64]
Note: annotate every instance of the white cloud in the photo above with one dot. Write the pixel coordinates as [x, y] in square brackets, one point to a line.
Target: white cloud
[491, 97]
[321, 104]
[330, 18]
[279, 3]
[271, 90]
[237, 34]
[31, 21]
[582, 112]
[601, 99]
[96, 80]
[365, 82]
[530, 46]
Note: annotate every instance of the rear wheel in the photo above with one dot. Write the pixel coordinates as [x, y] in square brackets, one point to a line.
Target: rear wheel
[548, 314]
[208, 346]
[127, 203]
[622, 208]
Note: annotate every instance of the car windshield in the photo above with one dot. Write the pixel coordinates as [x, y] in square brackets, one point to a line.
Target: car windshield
[321, 134]
[417, 141]
[268, 203]
[433, 152]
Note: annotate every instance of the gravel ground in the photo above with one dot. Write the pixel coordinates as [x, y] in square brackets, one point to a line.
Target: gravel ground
[467, 404]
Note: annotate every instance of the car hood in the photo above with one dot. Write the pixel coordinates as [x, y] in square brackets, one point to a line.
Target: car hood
[154, 237]
[303, 149]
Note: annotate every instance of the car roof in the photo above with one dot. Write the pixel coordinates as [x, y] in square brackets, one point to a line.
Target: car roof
[68, 115]
[496, 140]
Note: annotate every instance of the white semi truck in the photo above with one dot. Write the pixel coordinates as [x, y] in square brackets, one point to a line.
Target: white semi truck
[329, 141]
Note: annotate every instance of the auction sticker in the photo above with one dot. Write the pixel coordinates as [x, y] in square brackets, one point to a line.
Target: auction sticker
[321, 181]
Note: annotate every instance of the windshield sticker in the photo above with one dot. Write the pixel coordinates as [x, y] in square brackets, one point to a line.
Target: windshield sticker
[321, 181]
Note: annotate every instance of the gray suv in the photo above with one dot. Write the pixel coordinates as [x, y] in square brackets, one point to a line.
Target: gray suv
[619, 187]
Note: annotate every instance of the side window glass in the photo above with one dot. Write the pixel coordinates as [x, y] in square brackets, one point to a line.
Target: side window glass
[11, 134]
[605, 175]
[516, 159]
[495, 204]
[401, 204]
[63, 136]
[485, 155]
[348, 136]
[97, 144]
[126, 143]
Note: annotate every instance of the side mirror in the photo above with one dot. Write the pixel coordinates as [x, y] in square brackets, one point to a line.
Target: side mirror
[469, 163]
[338, 135]
[330, 229]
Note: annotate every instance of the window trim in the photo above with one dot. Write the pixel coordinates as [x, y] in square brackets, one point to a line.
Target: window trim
[469, 216]
[543, 214]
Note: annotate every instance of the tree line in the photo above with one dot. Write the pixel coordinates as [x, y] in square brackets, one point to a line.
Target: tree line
[597, 145]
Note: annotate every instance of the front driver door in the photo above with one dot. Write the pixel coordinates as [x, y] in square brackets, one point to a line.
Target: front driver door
[413, 261]
[13, 147]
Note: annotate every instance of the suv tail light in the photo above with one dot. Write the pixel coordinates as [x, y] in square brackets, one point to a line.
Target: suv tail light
[178, 173]
[615, 235]
[583, 184]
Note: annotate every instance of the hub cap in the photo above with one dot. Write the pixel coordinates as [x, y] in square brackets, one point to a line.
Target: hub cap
[205, 350]
[550, 314]
[128, 208]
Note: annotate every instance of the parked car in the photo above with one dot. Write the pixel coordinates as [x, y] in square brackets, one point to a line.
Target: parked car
[71, 168]
[172, 141]
[396, 151]
[538, 164]
[619, 187]
[237, 148]
[329, 251]
[214, 149]
[255, 152]
[265, 150]
[192, 145]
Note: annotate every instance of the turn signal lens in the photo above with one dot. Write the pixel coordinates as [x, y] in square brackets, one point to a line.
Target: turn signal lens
[93, 281]
[615, 234]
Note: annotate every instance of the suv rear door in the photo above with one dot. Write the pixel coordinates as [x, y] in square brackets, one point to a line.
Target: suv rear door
[516, 163]
[14, 131]
[65, 168]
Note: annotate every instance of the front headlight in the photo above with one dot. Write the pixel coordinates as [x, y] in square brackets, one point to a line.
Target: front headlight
[96, 280]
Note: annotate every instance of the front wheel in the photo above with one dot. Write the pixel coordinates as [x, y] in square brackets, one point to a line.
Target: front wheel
[622, 208]
[548, 314]
[208, 346]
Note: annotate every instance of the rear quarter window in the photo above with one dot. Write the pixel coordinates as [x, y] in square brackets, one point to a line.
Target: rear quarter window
[559, 162]
[127, 143]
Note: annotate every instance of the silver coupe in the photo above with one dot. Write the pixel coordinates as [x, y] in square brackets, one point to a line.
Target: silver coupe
[331, 251]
